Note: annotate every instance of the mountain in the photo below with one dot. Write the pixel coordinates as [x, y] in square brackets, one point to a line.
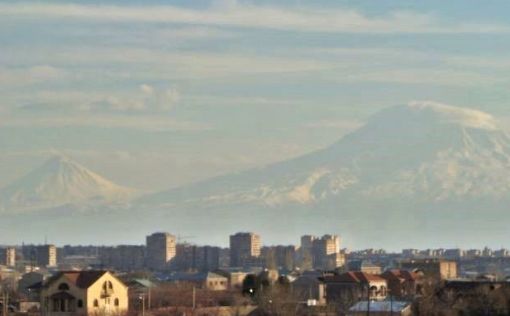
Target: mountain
[57, 182]
[422, 151]
[423, 174]
[418, 175]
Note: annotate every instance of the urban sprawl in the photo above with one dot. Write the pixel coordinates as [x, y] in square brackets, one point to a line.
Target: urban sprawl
[168, 276]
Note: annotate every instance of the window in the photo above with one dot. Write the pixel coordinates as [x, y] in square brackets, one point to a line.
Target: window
[107, 285]
[96, 303]
[63, 287]
[373, 291]
[116, 302]
[79, 304]
[56, 305]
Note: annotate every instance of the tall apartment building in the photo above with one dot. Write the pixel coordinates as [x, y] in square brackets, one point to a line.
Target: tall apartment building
[8, 257]
[280, 257]
[196, 258]
[161, 249]
[123, 258]
[46, 255]
[321, 253]
[208, 258]
[243, 248]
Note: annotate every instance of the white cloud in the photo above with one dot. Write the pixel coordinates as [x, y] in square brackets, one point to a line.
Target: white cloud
[346, 125]
[20, 76]
[295, 19]
[147, 99]
[147, 89]
[425, 76]
[140, 122]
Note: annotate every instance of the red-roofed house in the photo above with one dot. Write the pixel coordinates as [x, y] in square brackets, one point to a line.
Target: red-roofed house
[402, 283]
[70, 293]
[354, 286]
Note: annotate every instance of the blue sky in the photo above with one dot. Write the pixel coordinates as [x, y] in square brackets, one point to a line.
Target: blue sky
[156, 94]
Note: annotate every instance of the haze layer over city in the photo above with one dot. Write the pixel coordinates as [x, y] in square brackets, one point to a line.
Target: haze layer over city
[383, 122]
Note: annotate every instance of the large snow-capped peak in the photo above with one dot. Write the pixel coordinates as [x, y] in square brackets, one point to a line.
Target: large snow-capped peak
[60, 180]
[423, 150]
[454, 115]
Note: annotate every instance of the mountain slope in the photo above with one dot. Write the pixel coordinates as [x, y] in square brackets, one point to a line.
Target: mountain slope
[60, 181]
[421, 175]
[425, 151]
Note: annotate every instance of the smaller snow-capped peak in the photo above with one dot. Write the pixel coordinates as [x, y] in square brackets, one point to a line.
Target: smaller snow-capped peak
[60, 180]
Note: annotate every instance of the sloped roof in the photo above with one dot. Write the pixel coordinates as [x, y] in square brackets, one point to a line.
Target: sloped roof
[402, 275]
[81, 279]
[142, 282]
[183, 276]
[354, 277]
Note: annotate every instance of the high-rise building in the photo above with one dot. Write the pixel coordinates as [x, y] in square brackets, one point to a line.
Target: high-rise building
[46, 255]
[161, 249]
[123, 258]
[243, 248]
[8, 256]
[321, 253]
[208, 258]
[279, 257]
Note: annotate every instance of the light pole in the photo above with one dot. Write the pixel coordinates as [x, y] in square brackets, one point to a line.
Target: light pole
[391, 301]
[368, 299]
[142, 298]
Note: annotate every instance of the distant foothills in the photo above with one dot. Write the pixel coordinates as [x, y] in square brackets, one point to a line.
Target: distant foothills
[418, 174]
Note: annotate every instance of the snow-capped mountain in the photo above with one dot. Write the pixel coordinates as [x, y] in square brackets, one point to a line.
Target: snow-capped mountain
[60, 181]
[410, 172]
[422, 151]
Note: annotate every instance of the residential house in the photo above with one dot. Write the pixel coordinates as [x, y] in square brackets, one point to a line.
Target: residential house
[354, 286]
[83, 293]
[402, 283]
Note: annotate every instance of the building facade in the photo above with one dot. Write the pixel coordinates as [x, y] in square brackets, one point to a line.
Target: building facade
[9, 257]
[321, 253]
[243, 248]
[433, 268]
[46, 256]
[161, 249]
[84, 293]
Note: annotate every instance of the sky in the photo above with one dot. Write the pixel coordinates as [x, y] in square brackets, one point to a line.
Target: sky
[158, 94]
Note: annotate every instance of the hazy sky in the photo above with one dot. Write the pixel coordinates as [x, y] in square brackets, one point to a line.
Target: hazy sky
[157, 94]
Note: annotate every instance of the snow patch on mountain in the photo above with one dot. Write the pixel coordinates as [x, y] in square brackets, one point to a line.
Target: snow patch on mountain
[456, 115]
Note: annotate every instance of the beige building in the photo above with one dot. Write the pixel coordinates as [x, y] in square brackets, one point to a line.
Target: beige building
[243, 248]
[161, 249]
[46, 256]
[84, 293]
[433, 268]
[10, 257]
[205, 280]
[321, 253]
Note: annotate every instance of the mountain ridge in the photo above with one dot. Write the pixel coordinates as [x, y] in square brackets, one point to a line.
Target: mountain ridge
[409, 150]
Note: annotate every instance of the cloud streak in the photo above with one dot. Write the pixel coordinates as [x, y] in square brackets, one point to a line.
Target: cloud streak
[259, 17]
